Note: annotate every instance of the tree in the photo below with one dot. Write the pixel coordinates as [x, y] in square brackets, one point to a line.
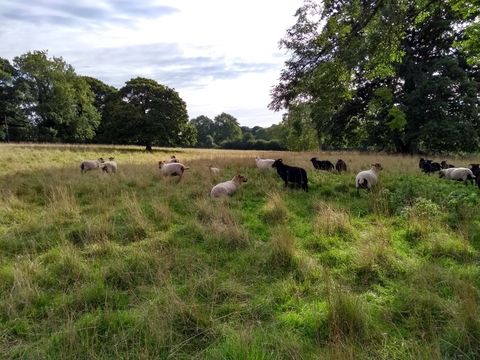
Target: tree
[364, 68]
[57, 102]
[299, 130]
[226, 128]
[204, 126]
[146, 112]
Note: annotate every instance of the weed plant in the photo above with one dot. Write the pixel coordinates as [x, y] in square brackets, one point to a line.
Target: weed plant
[134, 265]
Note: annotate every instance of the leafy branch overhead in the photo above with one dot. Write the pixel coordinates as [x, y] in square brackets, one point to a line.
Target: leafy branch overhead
[423, 53]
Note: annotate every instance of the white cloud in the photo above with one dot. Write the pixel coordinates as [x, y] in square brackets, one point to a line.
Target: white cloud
[220, 56]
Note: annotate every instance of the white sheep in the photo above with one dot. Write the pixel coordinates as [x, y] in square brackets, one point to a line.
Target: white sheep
[368, 178]
[459, 174]
[173, 159]
[228, 187]
[264, 163]
[446, 173]
[172, 169]
[214, 170]
[87, 165]
[110, 166]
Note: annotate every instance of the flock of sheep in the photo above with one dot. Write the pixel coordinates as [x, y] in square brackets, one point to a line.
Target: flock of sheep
[449, 171]
[365, 179]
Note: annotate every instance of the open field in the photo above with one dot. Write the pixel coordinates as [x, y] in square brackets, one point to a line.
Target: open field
[136, 266]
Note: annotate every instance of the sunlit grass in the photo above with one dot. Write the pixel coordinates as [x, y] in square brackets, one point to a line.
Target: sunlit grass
[135, 265]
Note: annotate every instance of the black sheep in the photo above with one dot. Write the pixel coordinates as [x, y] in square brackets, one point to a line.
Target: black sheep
[445, 165]
[292, 174]
[476, 172]
[340, 166]
[322, 164]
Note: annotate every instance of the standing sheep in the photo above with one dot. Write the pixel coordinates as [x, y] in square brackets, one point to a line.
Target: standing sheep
[110, 166]
[87, 165]
[292, 174]
[264, 163]
[228, 187]
[340, 166]
[172, 169]
[322, 164]
[459, 174]
[214, 170]
[368, 178]
[173, 159]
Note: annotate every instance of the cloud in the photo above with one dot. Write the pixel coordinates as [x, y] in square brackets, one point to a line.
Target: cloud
[83, 14]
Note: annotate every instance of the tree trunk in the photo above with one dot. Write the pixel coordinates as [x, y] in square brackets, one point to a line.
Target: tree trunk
[148, 147]
[6, 128]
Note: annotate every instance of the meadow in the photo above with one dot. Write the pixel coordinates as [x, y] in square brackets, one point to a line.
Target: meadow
[133, 265]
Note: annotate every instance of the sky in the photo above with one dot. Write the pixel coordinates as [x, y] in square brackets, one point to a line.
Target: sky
[219, 55]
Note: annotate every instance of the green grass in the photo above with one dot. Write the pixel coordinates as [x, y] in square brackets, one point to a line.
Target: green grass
[137, 266]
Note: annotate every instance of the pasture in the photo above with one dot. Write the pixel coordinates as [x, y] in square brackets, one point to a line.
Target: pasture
[135, 265]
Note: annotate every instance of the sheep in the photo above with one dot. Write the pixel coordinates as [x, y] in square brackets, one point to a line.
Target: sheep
[293, 174]
[264, 163]
[340, 166]
[459, 174]
[172, 169]
[429, 166]
[368, 178]
[228, 187]
[214, 170]
[421, 162]
[476, 172]
[110, 166]
[446, 173]
[322, 164]
[445, 165]
[173, 159]
[87, 165]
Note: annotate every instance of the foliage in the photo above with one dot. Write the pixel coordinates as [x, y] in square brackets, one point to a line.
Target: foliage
[145, 112]
[225, 128]
[55, 101]
[385, 74]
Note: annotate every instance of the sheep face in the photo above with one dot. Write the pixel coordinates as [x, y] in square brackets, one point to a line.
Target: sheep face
[377, 166]
[240, 178]
[160, 164]
[277, 163]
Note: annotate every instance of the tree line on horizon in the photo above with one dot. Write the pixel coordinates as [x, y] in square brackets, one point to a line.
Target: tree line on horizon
[399, 77]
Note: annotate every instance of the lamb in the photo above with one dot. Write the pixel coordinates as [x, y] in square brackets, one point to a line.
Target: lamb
[368, 178]
[172, 169]
[445, 165]
[293, 174]
[228, 187]
[264, 163]
[173, 159]
[214, 170]
[459, 174]
[322, 164]
[340, 166]
[87, 165]
[109, 166]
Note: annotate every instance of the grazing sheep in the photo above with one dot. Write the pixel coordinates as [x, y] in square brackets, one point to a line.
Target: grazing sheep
[322, 164]
[173, 159]
[445, 165]
[459, 174]
[292, 174]
[340, 166]
[368, 178]
[110, 166]
[214, 170]
[228, 187]
[172, 169]
[87, 165]
[264, 163]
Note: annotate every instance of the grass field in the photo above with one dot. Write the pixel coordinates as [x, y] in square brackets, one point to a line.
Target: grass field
[133, 265]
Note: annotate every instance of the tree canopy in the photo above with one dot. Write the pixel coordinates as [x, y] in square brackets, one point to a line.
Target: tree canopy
[146, 112]
[388, 75]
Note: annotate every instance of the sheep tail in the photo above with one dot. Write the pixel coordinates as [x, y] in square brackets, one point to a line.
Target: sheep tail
[186, 168]
[363, 183]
